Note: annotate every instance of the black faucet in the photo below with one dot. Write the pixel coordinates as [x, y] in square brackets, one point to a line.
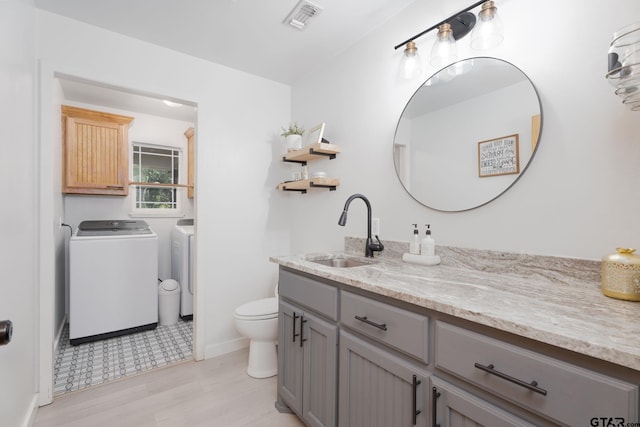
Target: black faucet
[370, 247]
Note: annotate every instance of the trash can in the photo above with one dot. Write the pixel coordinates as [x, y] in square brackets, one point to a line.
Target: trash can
[168, 302]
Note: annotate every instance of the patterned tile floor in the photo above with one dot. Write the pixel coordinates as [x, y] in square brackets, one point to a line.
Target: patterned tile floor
[84, 365]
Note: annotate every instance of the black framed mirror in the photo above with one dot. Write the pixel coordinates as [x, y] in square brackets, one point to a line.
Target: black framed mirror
[467, 134]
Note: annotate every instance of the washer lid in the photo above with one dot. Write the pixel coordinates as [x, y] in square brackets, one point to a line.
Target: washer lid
[261, 307]
[113, 227]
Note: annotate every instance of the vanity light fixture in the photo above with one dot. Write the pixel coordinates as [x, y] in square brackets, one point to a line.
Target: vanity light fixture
[444, 49]
[487, 34]
[411, 63]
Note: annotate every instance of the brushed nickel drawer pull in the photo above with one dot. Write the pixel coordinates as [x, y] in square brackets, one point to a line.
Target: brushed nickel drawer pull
[382, 326]
[533, 385]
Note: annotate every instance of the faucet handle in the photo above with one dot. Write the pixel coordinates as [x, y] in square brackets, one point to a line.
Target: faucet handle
[377, 247]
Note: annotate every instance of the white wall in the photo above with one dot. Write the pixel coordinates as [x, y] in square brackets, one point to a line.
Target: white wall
[18, 185]
[240, 219]
[578, 198]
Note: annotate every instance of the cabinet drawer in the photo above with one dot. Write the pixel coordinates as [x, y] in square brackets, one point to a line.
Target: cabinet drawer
[393, 326]
[319, 297]
[565, 392]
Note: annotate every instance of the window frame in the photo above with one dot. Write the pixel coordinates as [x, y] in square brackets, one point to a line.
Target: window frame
[163, 211]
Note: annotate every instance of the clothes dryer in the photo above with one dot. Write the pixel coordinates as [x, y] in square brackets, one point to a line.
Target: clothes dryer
[182, 264]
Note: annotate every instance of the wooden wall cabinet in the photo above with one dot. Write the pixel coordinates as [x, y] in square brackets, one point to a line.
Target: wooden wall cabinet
[95, 152]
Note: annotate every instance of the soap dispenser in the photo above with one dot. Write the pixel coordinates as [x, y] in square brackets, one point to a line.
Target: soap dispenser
[428, 245]
[414, 245]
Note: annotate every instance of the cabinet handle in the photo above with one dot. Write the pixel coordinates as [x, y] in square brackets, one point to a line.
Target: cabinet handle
[6, 330]
[295, 316]
[434, 402]
[415, 412]
[533, 385]
[382, 326]
[302, 322]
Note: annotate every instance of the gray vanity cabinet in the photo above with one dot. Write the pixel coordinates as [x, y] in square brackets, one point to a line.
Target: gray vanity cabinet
[290, 356]
[560, 391]
[378, 388]
[404, 366]
[384, 379]
[307, 350]
[454, 407]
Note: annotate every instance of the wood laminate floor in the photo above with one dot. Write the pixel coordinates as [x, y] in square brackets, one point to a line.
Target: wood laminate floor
[214, 393]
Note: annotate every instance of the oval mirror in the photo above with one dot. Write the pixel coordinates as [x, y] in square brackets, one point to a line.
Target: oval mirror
[467, 134]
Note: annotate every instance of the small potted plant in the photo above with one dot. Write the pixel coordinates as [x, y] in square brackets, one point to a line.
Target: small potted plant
[293, 137]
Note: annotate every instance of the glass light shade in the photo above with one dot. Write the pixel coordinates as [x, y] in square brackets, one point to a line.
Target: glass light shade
[488, 32]
[411, 63]
[624, 57]
[444, 50]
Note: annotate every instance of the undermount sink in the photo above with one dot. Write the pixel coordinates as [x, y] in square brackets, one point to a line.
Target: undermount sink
[342, 262]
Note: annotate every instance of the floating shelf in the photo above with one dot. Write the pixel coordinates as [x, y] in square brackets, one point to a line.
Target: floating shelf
[311, 152]
[306, 184]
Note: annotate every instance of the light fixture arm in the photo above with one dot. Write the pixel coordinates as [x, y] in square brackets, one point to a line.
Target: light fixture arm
[476, 4]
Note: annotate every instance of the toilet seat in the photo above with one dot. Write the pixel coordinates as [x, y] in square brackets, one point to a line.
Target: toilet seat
[262, 309]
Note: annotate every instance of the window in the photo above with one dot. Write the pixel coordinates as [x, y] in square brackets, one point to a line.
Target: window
[160, 167]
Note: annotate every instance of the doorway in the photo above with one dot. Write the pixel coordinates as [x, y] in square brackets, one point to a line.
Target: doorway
[56, 89]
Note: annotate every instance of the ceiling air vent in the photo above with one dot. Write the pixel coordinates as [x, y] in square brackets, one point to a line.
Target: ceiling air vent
[301, 14]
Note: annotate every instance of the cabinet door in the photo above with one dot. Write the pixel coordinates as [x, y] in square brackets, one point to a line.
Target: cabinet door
[290, 354]
[320, 341]
[377, 388]
[457, 408]
[95, 152]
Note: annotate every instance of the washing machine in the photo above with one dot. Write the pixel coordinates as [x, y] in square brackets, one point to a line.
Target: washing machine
[182, 264]
[113, 287]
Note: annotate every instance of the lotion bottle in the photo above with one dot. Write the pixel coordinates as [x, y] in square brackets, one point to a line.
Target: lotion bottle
[428, 245]
[414, 245]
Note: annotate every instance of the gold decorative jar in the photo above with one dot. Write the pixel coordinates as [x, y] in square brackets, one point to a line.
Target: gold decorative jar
[621, 275]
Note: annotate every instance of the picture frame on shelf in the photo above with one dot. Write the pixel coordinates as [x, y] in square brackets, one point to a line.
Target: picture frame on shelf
[315, 134]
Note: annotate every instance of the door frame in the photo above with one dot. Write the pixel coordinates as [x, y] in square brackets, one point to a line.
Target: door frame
[47, 143]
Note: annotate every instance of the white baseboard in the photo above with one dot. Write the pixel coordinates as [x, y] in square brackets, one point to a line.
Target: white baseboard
[30, 416]
[219, 349]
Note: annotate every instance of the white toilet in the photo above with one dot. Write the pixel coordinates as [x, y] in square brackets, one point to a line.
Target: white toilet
[258, 321]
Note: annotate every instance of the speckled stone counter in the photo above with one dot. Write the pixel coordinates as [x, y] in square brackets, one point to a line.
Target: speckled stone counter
[553, 300]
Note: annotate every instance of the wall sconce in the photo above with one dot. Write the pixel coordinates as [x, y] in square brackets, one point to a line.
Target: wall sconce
[624, 65]
[486, 35]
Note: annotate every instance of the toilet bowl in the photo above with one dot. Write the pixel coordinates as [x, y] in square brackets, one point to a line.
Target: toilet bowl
[258, 321]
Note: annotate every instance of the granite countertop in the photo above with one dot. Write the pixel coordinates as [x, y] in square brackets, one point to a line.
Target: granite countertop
[553, 300]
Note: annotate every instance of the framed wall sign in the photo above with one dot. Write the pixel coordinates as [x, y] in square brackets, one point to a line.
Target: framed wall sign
[498, 156]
